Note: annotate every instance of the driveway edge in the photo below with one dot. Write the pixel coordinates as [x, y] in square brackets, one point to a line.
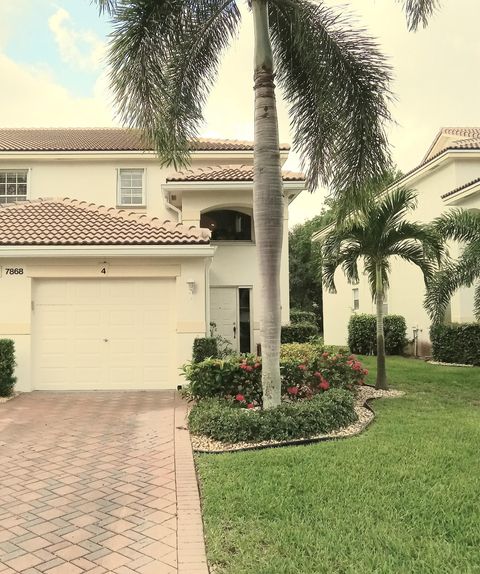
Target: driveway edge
[192, 558]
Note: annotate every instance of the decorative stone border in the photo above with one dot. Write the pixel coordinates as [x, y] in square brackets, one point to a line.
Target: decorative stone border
[366, 414]
[449, 364]
[11, 397]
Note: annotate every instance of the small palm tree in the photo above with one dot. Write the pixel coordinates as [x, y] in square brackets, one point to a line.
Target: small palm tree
[464, 226]
[376, 232]
[164, 58]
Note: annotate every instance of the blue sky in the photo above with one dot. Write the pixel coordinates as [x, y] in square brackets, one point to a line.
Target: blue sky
[32, 42]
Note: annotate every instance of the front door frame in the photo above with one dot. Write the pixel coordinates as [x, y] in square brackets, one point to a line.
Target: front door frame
[237, 311]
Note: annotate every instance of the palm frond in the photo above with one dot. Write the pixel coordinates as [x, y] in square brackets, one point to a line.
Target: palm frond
[164, 58]
[476, 302]
[459, 224]
[337, 85]
[419, 12]
[105, 6]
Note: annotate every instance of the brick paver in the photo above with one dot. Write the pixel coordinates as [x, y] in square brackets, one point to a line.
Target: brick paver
[98, 482]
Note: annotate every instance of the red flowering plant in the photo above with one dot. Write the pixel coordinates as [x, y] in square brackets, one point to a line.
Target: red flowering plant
[246, 389]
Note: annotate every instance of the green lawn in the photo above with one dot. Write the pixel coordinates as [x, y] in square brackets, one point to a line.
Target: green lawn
[402, 498]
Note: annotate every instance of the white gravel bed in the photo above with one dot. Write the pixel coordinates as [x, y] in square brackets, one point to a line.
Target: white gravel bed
[365, 417]
[6, 399]
[448, 364]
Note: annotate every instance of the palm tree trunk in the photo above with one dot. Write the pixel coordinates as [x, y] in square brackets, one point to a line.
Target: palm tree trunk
[267, 205]
[381, 368]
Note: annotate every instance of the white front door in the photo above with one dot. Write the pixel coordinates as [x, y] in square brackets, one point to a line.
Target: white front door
[223, 313]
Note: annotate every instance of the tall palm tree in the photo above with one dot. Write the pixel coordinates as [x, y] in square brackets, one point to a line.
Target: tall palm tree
[463, 226]
[377, 231]
[164, 57]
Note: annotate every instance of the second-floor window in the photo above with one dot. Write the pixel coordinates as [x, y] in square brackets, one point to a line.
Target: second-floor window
[13, 185]
[227, 225]
[131, 188]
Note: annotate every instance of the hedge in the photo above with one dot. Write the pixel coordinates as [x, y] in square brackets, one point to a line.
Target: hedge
[298, 332]
[456, 343]
[203, 348]
[299, 316]
[362, 334]
[7, 367]
[219, 420]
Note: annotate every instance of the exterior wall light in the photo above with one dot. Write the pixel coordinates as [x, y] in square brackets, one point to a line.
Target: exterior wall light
[191, 285]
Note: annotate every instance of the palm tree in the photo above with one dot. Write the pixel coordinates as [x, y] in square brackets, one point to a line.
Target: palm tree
[463, 226]
[376, 232]
[164, 58]
[419, 11]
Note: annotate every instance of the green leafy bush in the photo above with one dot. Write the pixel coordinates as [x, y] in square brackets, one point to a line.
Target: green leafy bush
[305, 371]
[217, 419]
[7, 367]
[299, 332]
[203, 348]
[362, 334]
[456, 343]
[300, 316]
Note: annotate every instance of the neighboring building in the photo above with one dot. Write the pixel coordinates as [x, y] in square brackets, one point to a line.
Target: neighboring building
[108, 289]
[449, 176]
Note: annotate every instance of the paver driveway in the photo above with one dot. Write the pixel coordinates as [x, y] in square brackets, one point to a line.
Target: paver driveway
[98, 482]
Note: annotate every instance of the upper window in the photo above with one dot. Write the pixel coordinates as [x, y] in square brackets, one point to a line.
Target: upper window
[227, 225]
[356, 299]
[13, 185]
[131, 187]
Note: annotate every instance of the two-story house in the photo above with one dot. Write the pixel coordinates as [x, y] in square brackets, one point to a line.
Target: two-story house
[111, 264]
[447, 177]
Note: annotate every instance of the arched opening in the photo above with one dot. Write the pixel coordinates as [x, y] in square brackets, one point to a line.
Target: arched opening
[227, 224]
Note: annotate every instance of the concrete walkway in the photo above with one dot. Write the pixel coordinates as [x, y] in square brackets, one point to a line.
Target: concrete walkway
[98, 482]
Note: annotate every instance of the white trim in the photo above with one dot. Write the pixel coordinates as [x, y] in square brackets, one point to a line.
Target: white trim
[107, 251]
[462, 194]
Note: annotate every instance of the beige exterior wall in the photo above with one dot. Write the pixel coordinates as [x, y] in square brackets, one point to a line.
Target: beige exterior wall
[407, 291]
[16, 301]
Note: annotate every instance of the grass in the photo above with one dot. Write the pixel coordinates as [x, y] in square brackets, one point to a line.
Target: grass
[401, 498]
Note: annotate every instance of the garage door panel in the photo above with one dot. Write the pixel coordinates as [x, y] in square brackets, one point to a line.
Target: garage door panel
[103, 334]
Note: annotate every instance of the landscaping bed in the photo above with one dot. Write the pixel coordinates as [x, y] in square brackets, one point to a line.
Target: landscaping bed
[364, 416]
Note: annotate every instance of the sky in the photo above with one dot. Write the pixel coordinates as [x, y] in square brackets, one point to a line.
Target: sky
[53, 70]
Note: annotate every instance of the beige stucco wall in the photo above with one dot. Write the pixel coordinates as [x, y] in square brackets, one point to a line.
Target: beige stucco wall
[406, 293]
[16, 299]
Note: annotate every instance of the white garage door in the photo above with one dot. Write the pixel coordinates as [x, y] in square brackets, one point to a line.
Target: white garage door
[103, 334]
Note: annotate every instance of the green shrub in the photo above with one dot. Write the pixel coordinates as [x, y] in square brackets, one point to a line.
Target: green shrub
[456, 343]
[300, 352]
[362, 334]
[305, 371]
[299, 332]
[217, 419]
[299, 316]
[203, 348]
[7, 367]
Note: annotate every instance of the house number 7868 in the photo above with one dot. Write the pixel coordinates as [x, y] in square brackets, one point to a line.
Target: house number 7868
[14, 271]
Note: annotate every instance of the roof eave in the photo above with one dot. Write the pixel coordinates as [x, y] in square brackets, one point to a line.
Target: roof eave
[84, 251]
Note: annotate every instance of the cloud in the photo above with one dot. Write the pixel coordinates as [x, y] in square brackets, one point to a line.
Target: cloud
[79, 48]
[35, 99]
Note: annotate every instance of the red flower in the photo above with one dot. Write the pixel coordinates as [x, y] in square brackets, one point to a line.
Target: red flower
[365, 371]
[324, 385]
[302, 367]
[240, 398]
[257, 365]
[248, 368]
[250, 406]
[325, 355]
[317, 374]
[292, 390]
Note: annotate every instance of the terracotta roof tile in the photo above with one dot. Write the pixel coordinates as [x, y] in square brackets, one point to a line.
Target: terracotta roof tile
[72, 222]
[461, 187]
[227, 173]
[100, 139]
